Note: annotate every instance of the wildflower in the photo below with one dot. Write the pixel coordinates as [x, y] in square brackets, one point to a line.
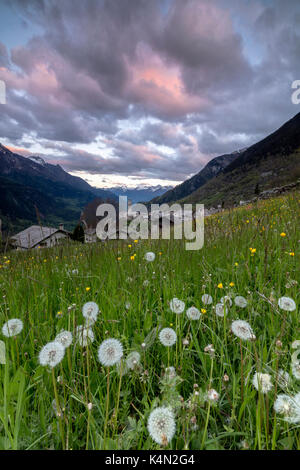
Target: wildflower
[119, 258]
[236, 264]
[90, 311]
[289, 407]
[185, 342]
[220, 285]
[127, 305]
[242, 330]
[110, 352]
[167, 337]
[90, 406]
[253, 250]
[262, 382]
[132, 360]
[231, 284]
[65, 338]
[87, 289]
[136, 241]
[193, 313]
[12, 327]
[161, 425]
[226, 300]
[212, 395]
[170, 373]
[283, 234]
[221, 309]
[52, 354]
[206, 299]
[286, 303]
[210, 350]
[240, 301]
[203, 310]
[150, 256]
[296, 369]
[177, 306]
[132, 258]
[84, 334]
[292, 253]
[225, 378]
[283, 378]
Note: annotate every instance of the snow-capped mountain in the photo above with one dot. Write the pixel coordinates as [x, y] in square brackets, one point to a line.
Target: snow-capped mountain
[140, 193]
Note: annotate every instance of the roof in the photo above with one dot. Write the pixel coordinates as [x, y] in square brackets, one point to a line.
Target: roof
[34, 235]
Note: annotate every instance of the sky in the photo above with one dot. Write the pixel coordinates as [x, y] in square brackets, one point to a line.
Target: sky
[144, 92]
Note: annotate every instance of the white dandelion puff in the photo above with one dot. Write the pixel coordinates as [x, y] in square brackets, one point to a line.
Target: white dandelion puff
[283, 378]
[177, 306]
[150, 256]
[193, 313]
[170, 373]
[221, 309]
[207, 299]
[240, 301]
[84, 335]
[90, 312]
[133, 360]
[161, 425]
[226, 300]
[12, 327]
[52, 354]
[287, 304]
[288, 407]
[242, 330]
[110, 352]
[262, 382]
[296, 344]
[167, 337]
[65, 338]
[212, 395]
[296, 369]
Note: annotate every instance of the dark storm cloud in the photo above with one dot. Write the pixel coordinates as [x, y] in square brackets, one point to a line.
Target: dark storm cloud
[186, 64]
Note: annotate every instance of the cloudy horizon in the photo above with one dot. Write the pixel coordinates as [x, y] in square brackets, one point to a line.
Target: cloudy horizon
[145, 92]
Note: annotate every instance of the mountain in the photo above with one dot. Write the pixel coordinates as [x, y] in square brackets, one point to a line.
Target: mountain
[140, 193]
[48, 189]
[186, 188]
[274, 161]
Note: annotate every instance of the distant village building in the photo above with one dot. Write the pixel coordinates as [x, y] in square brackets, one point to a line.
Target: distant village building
[39, 237]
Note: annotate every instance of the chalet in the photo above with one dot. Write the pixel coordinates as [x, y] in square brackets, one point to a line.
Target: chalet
[39, 237]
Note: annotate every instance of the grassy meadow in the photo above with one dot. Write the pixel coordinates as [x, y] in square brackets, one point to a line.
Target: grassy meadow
[251, 251]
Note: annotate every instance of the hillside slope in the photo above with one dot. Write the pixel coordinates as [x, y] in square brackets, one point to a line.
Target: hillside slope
[189, 186]
[274, 161]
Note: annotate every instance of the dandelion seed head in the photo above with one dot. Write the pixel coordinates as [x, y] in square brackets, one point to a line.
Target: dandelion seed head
[90, 312]
[288, 407]
[296, 369]
[262, 382]
[84, 335]
[110, 352]
[161, 425]
[65, 338]
[240, 301]
[207, 299]
[167, 337]
[221, 309]
[212, 395]
[193, 313]
[287, 304]
[177, 306]
[226, 300]
[133, 359]
[242, 330]
[51, 354]
[150, 256]
[12, 327]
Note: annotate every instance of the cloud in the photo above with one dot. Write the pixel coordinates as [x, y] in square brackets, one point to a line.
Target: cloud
[152, 89]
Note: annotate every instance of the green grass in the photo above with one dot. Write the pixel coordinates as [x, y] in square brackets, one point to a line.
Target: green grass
[36, 285]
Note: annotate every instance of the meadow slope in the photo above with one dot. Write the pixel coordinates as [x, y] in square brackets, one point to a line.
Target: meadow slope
[251, 252]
